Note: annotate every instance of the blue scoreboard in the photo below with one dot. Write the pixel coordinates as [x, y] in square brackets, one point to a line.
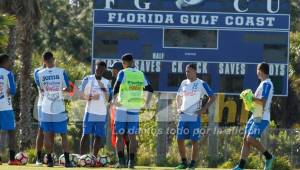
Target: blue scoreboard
[225, 38]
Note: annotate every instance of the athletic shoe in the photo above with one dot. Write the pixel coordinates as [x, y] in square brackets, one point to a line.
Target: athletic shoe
[237, 168]
[191, 167]
[182, 166]
[14, 162]
[120, 164]
[131, 164]
[38, 163]
[268, 163]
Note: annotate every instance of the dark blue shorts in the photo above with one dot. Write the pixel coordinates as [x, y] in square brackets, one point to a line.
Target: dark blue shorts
[55, 127]
[127, 122]
[254, 129]
[94, 124]
[7, 120]
[189, 127]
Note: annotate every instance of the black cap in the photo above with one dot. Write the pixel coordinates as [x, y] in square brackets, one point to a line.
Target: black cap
[117, 65]
[127, 57]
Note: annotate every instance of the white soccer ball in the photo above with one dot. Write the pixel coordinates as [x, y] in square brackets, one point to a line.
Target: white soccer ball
[61, 159]
[87, 161]
[74, 158]
[22, 157]
[104, 160]
[54, 157]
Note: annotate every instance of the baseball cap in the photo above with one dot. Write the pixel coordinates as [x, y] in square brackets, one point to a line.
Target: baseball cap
[117, 65]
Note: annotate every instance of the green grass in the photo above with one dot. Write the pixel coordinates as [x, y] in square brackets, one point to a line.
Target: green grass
[33, 167]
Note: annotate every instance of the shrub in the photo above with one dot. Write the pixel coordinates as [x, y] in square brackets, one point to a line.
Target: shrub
[282, 163]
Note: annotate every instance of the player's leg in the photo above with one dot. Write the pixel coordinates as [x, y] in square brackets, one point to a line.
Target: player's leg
[256, 131]
[39, 146]
[61, 128]
[245, 148]
[48, 143]
[87, 129]
[132, 132]
[181, 136]
[12, 144]
[8, 124]
[120, 128]
[127, 142]
[100, 134]
[39, 140]
[194, 130]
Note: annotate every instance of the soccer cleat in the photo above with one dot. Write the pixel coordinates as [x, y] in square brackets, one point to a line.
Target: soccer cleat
[182, 166]
[131, 164]
[237, 168]
[14, 162]
[118, 165]
[191, 167]
[38, 163]
[268, 163]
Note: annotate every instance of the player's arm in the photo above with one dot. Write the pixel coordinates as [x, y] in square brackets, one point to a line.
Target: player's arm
[82, 87]
[116, 88]
[105, 91]
[179, 99]
[67, 83]
[211, 98]
[12, 90]
[265, 94]
[178, 103]
[148, 92]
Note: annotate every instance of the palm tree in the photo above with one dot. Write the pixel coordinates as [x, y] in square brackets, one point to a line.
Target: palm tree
[28, 16]
[6, 21]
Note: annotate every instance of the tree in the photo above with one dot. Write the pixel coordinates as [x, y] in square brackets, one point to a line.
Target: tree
[28, 15]
[6, 21]
[67, 27]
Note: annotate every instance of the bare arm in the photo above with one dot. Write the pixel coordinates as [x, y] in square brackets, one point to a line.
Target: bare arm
[178, 103]
[211, 99]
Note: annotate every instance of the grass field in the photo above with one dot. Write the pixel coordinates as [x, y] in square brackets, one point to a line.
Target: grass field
[33, 167]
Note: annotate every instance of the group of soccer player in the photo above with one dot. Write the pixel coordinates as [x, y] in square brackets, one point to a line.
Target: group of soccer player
[130, 94]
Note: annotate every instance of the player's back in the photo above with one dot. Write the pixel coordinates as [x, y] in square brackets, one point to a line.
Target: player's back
[52, 81]
[7, 88]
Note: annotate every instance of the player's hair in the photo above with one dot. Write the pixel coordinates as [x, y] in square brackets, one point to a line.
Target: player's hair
[127, 57]
[264, 67]
[101, 63]
[47, 56]
[3, 58]
[192, 66]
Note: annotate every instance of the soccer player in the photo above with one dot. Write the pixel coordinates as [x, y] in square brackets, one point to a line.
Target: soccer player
[53, 81]
[189, 106]
[129, 99]
[254, 129]
[7, 116]
[95, 89]
[40, 134]
[115, 68]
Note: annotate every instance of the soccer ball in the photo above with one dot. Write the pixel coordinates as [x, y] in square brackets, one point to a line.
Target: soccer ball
[87, 161]
[104, 160]
[73, 159]
[54, 157]
[22, 157]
